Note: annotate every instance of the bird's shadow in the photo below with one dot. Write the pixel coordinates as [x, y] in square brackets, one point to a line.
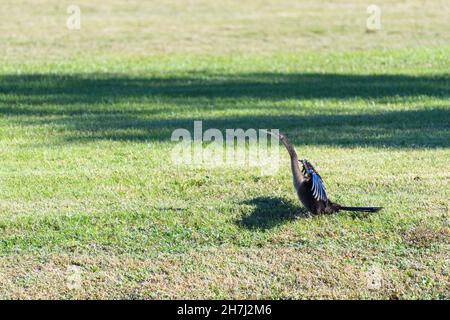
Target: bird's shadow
[269, 212]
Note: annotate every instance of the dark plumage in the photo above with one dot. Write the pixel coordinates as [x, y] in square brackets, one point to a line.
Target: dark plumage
[310, 188]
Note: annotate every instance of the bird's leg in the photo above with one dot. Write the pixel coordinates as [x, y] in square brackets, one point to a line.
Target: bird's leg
[305, 214]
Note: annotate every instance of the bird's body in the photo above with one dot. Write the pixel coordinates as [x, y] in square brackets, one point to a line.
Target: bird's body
[309, 186]
[312, 193]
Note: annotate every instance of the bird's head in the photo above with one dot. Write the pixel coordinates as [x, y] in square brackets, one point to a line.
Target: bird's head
[307, 167]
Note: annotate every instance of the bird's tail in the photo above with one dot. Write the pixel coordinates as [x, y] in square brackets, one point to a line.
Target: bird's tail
[361, 209]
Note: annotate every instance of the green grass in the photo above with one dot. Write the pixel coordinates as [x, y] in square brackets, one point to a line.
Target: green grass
[86, 177]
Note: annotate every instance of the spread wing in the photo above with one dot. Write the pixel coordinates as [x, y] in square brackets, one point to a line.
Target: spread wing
[317, 186]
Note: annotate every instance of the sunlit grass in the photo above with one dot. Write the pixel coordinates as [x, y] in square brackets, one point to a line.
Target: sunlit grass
[86, 176]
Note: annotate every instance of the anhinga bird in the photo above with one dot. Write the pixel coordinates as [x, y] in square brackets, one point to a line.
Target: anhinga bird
[310, 188]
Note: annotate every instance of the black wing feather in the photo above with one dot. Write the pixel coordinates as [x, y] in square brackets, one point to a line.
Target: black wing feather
[318, 188]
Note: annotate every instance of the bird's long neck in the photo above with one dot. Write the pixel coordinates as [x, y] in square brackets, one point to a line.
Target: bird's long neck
[297, 175]
[296, 172]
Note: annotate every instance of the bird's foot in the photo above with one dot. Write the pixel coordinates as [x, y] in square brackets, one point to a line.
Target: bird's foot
[304, 214]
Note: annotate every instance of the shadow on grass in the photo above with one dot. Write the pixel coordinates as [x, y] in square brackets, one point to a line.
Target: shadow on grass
[397, 129]
[269, 212]
[100, 88]
[88, 106]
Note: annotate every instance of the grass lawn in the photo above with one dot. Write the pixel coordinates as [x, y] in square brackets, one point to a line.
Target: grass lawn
[87, 182]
